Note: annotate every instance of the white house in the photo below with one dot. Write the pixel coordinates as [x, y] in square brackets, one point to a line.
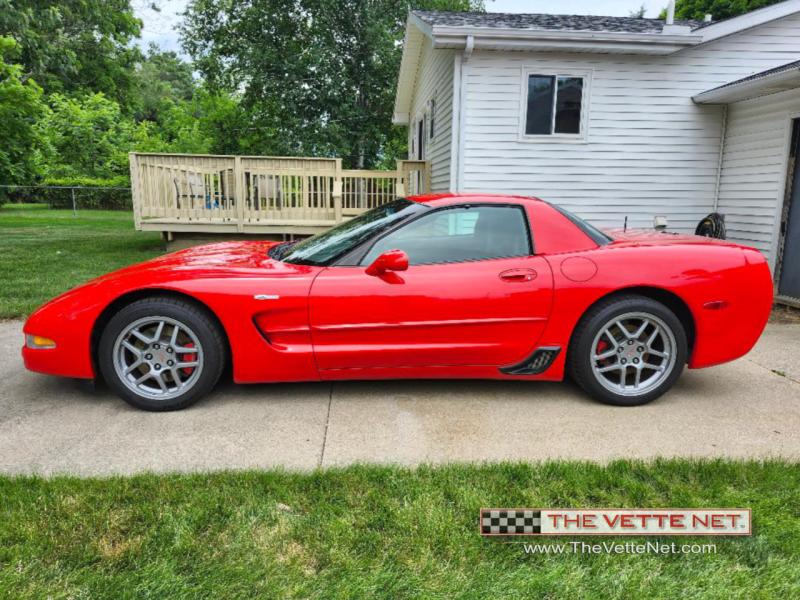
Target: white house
[616, 117]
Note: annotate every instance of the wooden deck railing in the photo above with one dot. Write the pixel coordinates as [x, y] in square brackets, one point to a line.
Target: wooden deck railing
[260, 194]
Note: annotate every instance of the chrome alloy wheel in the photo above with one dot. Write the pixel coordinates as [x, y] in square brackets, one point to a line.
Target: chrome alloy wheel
[158, 357]
[633, 353]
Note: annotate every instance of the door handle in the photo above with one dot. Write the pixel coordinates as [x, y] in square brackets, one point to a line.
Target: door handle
[518, 275]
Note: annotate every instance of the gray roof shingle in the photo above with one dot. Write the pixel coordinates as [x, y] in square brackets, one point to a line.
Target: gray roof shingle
[774, 71]
[546, 22]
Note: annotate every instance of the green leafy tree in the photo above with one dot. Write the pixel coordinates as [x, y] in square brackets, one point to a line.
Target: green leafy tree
[201, 125]
[162, 79]
[179, 114]
[86, 136]
[316, 77]
[719, 9]
[75, 45]
[20, 107]
[225, 121]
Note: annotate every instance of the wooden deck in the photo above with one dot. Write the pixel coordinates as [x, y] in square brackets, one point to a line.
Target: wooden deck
[180, 193]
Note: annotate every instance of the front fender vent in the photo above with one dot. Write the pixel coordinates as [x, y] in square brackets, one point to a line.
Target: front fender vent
[536, 363]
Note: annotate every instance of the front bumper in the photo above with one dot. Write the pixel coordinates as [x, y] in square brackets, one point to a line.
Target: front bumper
[56, 361]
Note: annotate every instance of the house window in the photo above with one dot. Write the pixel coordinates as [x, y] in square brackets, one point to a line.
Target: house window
[431, 117]
[554, 104]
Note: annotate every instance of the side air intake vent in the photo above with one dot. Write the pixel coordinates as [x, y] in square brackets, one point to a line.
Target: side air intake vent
[536, 363]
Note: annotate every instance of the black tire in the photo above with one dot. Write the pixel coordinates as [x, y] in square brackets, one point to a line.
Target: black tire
[581, 351]
[206, 330]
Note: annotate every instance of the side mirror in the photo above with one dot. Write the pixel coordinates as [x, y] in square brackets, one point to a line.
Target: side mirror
[391, 260]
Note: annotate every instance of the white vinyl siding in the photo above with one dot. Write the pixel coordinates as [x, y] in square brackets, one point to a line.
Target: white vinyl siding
[435, 81]
[753, 177]
[649, 149]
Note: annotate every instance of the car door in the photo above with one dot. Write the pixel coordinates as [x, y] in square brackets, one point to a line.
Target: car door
[473, 294]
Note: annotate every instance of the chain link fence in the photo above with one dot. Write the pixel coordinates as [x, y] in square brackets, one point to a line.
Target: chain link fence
[69, 197]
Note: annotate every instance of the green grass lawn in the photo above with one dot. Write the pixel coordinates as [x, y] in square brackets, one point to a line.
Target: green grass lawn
[385, 532]
[45, 252]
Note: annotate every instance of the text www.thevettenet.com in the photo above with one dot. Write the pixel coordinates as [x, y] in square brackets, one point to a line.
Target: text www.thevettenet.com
[619, 548]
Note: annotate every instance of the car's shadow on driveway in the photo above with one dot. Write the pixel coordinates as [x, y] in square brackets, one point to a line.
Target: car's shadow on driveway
[49, 391]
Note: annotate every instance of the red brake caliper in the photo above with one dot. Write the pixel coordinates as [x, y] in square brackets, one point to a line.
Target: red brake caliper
[602, 346]
[189, 358]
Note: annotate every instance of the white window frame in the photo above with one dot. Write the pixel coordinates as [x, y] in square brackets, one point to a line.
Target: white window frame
[583, 135]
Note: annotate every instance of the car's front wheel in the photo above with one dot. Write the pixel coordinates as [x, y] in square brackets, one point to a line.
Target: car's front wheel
[161, 353]
[628, 350]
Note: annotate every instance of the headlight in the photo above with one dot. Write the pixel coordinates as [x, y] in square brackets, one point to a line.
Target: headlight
[38, 342]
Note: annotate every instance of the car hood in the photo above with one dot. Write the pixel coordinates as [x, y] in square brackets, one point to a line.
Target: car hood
[222, 255]
[235, 258]
[210, 261]
[181, 271]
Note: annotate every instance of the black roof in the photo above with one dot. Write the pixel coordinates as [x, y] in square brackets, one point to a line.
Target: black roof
[546, 22]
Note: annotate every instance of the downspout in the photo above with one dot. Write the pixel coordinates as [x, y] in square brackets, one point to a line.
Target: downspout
[469, 45]
[723, 133]
[455, 123]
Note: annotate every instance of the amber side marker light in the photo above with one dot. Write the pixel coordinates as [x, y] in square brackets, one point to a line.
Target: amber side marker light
[38, 342]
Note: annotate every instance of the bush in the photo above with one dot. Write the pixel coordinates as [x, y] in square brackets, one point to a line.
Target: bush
[86, 136]
[118, 181]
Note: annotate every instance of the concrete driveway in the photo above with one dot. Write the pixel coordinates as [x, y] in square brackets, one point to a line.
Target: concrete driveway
[750, 408]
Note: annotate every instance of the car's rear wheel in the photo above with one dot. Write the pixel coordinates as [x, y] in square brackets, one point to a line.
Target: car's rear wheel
[628, 350]
[161, 353]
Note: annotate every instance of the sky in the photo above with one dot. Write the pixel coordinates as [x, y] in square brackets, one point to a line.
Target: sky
[160, 27]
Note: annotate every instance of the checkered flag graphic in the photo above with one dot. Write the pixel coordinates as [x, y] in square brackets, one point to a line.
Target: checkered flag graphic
[510, 522]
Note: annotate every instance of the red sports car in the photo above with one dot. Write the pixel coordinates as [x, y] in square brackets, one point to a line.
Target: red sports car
[439, 286]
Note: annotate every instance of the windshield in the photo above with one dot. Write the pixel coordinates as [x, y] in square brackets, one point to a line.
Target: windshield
[326, 247]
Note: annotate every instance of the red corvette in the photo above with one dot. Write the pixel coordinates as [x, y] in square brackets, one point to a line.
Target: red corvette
[440, 286]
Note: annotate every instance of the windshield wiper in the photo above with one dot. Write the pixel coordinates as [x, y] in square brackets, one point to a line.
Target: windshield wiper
[279, 251]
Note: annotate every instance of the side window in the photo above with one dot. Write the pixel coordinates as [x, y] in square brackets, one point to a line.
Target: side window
[459, 234]
[431, 117]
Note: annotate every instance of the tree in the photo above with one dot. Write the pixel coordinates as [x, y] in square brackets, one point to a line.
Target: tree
[86, 136]
[639, 12]
[226, 122]
[719, 9]
[162, 79]
[201, 125]
[20, 106]
[75, 46]
[316, 77]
